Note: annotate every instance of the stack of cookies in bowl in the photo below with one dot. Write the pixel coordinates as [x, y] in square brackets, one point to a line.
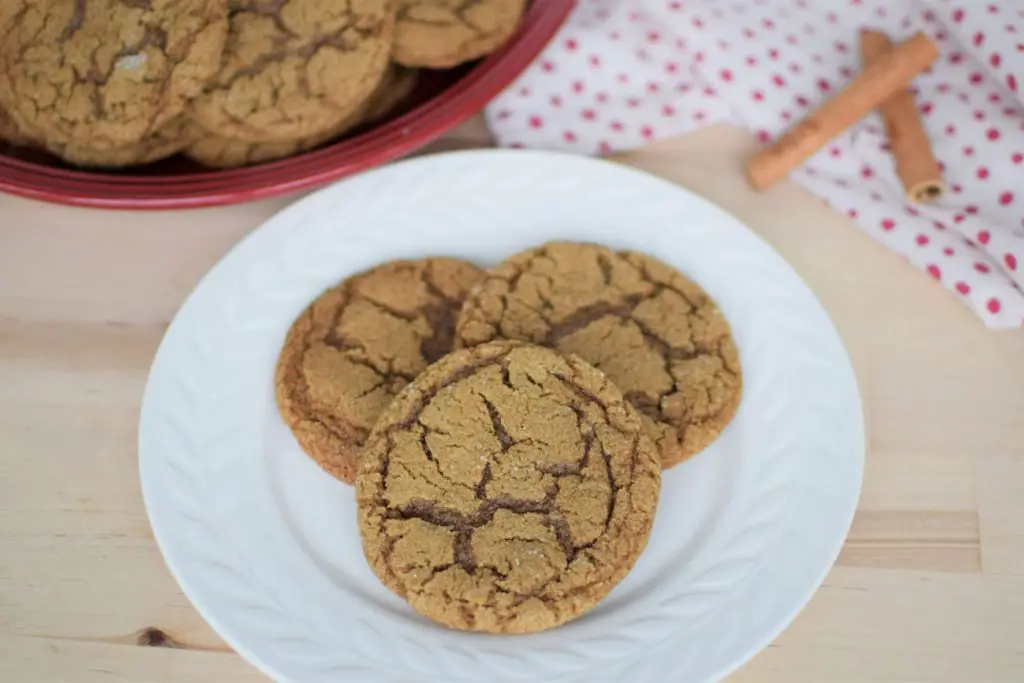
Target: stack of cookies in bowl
[506, 429]
[116, 83]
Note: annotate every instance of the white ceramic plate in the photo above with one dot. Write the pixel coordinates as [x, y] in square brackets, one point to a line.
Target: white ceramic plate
[266, 545]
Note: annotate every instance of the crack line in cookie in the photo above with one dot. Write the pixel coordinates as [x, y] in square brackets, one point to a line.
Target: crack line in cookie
[430, 512]
[513, 308]
[75, 23]
[547, 569]
[504, 439]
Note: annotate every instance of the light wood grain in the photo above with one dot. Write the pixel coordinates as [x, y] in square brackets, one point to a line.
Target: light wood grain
[929, 588]
[1000, 481]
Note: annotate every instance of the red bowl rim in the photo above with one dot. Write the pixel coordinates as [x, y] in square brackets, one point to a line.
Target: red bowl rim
[387, 142]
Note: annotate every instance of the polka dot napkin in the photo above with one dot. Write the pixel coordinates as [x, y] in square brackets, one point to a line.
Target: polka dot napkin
[624, 72]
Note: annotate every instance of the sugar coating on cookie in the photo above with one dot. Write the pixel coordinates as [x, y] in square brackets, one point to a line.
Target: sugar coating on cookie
[508, 489]
[358, 345]
[106, 73]
[440, 34]
[658, 336]
[296, 68]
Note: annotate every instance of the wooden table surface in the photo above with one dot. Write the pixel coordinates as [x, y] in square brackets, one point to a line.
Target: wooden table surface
[929, 587]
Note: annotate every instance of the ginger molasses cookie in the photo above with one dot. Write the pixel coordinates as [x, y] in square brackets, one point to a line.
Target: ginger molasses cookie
[106, 73]
[296, 68]
[219, 151]
[358, 345]
[657, 335]
[439, 34]
[166, 142]
[508, 489]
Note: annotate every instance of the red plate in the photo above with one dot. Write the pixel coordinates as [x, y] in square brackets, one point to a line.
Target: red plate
[443, 100]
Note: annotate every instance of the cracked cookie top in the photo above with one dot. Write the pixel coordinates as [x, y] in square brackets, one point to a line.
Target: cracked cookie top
[440, 34]
[219, 151]
[657, 335]
[508, 489]
[165, 142]
[358, 345]
[296, 68]
[106, 73]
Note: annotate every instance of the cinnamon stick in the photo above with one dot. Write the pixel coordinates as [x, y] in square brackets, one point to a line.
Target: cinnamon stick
[885, 76]
[915, 163]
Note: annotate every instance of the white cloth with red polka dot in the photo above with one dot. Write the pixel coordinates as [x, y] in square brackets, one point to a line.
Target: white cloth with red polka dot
[624, 72]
